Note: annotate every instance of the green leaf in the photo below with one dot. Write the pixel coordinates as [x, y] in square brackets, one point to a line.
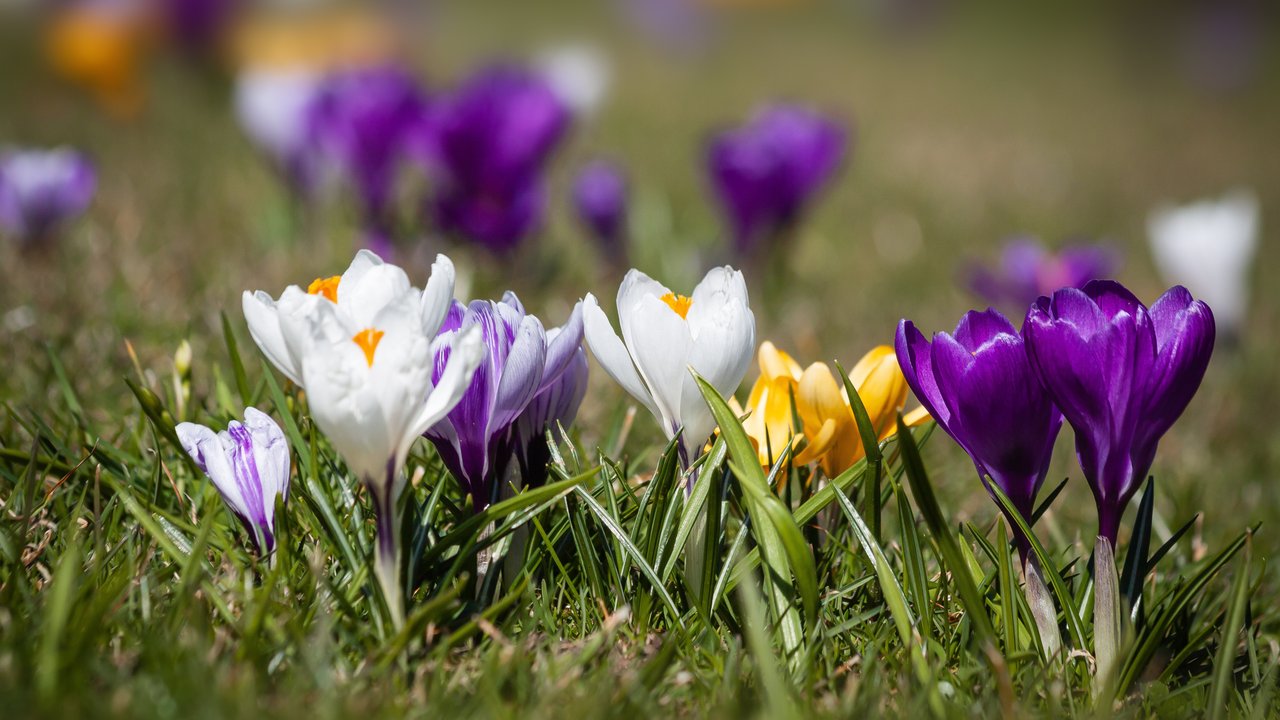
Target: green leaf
[1225, 661]
[1135, 558]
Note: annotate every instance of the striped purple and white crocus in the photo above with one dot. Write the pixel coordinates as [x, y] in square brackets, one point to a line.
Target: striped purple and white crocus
[523, 361]
[41, 191]
[249, 464]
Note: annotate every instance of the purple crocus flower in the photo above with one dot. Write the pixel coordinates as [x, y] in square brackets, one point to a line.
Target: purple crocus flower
[768, 170]
[979, 386]
[362, 123]
[553, 407]
[488, 143]
[41, 190]
[523, 361]
[198, 25]
[1028, 270]
[1122, 375]
[249, 464]
[600, 198]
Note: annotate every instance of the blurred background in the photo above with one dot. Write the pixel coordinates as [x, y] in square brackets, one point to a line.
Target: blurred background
[548, 146]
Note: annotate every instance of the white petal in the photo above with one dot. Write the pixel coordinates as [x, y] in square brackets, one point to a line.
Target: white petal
[437, 296]
[206, 448]
[363, 298]
[612, 355]
[272, 456]
[262, 316]
[661, 345]
[464, 358]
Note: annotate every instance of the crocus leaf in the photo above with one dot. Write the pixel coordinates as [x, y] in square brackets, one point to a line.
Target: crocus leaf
[1135, 559]
[870, 448]
[1225, 661]
[237, 363]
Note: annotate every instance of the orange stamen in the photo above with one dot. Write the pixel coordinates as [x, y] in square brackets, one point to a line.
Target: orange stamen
[327, 287]
[679, 303]
[368, 340]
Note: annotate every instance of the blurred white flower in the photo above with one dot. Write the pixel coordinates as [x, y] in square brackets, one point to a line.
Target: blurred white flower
[664, 335]
[1208, 246]
[578, 74]
[273, 107]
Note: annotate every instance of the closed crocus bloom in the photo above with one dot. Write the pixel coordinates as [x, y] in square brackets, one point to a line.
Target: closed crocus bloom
[522, 360]
[1122, 375]
[1028, 270]
[249, 464]
[273, 106]
[771, 422]
[1208, 247]
[554, 406]
[600, 199]
[42, 190]
[664, 336]
[767, 171]
[362, 122]
[979, 385]
[360, 347]
[488, 142]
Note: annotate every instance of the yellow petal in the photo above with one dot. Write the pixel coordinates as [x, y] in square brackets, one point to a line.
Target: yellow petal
[819, 444]
[776, 363]
[819, 400]
[917, 417]
[882, 388]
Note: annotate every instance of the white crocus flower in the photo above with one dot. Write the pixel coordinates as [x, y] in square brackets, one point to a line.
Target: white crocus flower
[359, 345]
[578, 75]
[1208, 246]
[665, 335]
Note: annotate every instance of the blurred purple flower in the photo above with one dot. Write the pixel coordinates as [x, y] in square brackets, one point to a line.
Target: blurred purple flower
[249, 464]
[1122, 375]
[362, 124]
[41, 190]
[766, 172]
[274, 108]
[981, 389]
[475, 439]
[488, 143]
[1028, 270]
[198, 25]
[600, 198]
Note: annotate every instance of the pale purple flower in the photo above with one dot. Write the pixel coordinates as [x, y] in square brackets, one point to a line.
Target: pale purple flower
[274, 108]
[555, 406]
[766, 172]
[1122, 374]
[1028, 270]
[42, 190]
[249, 464]
[523, 361]
[600, 199]
[488, 143]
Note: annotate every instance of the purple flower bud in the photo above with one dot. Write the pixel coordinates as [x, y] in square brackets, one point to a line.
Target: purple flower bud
[41, 190]
[1122, 375]
[488, 144]
[554, 406]
[600, 197]
[475, 438]
[1027, 270]
[980, 388]
[362, 124]
[766, 172]
[249, 464]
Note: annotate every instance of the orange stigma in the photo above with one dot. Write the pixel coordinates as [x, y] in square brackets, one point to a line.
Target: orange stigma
[679, 303]
[327, 287]
[368, 340]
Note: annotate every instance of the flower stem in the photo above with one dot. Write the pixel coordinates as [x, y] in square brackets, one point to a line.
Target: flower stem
[386, 561]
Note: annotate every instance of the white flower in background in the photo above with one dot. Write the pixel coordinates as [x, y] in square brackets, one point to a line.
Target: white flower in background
[578, 74]
[1208, 246]
[359, 345]
[664, 335]
[273, 107]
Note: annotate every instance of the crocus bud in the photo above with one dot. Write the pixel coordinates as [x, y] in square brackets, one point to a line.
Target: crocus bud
[600, 198]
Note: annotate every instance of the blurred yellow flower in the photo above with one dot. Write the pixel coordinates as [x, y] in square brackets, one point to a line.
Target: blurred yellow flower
[99, 49]
[822, 414]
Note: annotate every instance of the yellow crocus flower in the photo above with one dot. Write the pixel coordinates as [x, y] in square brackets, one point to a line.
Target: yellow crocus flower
[100, 49]
[822, 408]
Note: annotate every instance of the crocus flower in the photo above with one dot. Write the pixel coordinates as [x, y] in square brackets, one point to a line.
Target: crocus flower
[488, 143]
[198, 25]
[1028, 270]
[766, 172]
[362, 122]
[475, 438]
[664, 336]
[273, 106]
[600, 198]
[41, 190]
[1209, 246]
[554, 406]
[1122, 375]
[99, 45]
[249, 464]
[578, 74]
[979, 386]
[359, 345]
[822, 407]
